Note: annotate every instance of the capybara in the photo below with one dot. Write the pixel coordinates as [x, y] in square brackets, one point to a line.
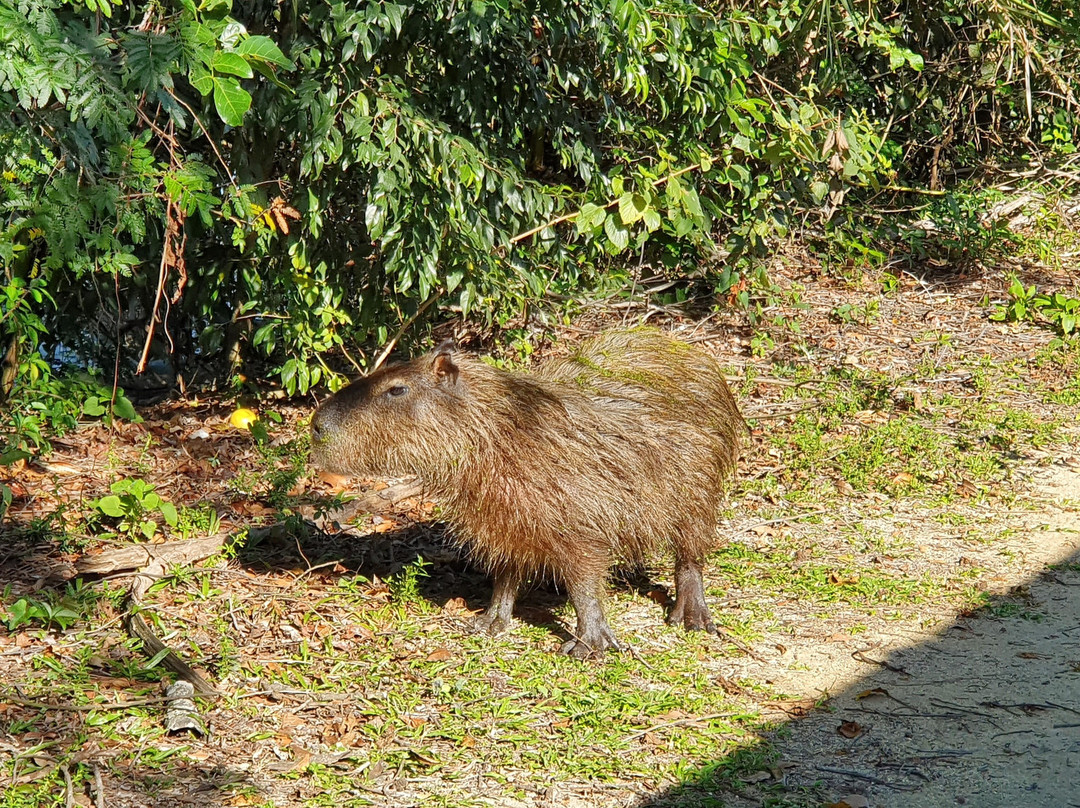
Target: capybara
[601, 456]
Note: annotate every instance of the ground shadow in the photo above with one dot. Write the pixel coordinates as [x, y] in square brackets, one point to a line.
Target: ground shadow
[984, 713]
[448, 574]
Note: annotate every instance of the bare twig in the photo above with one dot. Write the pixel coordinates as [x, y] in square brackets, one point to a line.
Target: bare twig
[793, 518]
[695, 719]
[404, 327]
[153, 562]
[172, 255]
[69, 791]
[82, 708]
[763, 414]
[869, 778]
[99, 788]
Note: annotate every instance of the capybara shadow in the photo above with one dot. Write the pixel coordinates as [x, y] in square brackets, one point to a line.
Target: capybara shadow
[448, 575]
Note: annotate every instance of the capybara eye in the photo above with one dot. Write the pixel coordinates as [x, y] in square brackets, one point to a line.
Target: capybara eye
[397, 391]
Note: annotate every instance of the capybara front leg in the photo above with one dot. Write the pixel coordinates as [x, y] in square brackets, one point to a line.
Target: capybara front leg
[500, 613]
[594, 636]
[690, 608]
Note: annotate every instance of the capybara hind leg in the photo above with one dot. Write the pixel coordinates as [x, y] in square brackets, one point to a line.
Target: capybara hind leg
[594, 636]
[690, 608]
[500, 613]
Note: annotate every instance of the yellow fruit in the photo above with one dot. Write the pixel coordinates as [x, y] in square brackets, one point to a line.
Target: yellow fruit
[243, 417]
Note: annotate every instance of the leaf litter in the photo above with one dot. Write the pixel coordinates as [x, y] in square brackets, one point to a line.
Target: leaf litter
[901, 562]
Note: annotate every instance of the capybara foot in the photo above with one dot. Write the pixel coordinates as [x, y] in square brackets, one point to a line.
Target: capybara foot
[592, 644]
[690, 608]
[492, 623]
[693, 616]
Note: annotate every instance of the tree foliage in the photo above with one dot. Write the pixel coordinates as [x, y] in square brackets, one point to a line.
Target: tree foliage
[217, 181]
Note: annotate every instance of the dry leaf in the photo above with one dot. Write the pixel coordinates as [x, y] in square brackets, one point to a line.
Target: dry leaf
[336, 482]
[850, 729]
[288, 721]
[967, 489]
[423, 757]
[851, 801]
[757, 777]
[840, 580]
[877, 691]
[455, 606]
[439, 655]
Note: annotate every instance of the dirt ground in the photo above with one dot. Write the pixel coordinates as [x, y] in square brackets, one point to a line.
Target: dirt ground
[887, 707]
[980, 711]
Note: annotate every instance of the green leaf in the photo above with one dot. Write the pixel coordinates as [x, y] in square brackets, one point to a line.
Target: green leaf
[111, 506]
[692, 203]
[201, 78]
[123, 408]
[93, 407]
[18, 614]
[742, 143]
[617, 233]
[589, 217]
[168, 511]
[156, 659]
[232, 63]
[631, 208]
[148, 528]
[231, 101]
[395, 13]
[467, 298]
[264, 48]
[652, 219]
[375, 219]
[13, 455]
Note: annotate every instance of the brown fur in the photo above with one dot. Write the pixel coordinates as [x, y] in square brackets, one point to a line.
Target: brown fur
[622, 446]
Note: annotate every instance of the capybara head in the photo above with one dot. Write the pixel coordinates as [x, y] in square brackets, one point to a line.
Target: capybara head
[397, 421]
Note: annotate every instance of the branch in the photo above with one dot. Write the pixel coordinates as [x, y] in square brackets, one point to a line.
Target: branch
[404, 326]
[569, 217]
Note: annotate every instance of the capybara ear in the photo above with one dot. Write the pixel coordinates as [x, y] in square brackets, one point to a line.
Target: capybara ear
[442, 365]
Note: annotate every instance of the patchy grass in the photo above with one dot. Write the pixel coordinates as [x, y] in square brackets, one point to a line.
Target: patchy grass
[349, 669]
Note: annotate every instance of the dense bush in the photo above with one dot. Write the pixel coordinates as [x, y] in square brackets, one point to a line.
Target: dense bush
[216, 183]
